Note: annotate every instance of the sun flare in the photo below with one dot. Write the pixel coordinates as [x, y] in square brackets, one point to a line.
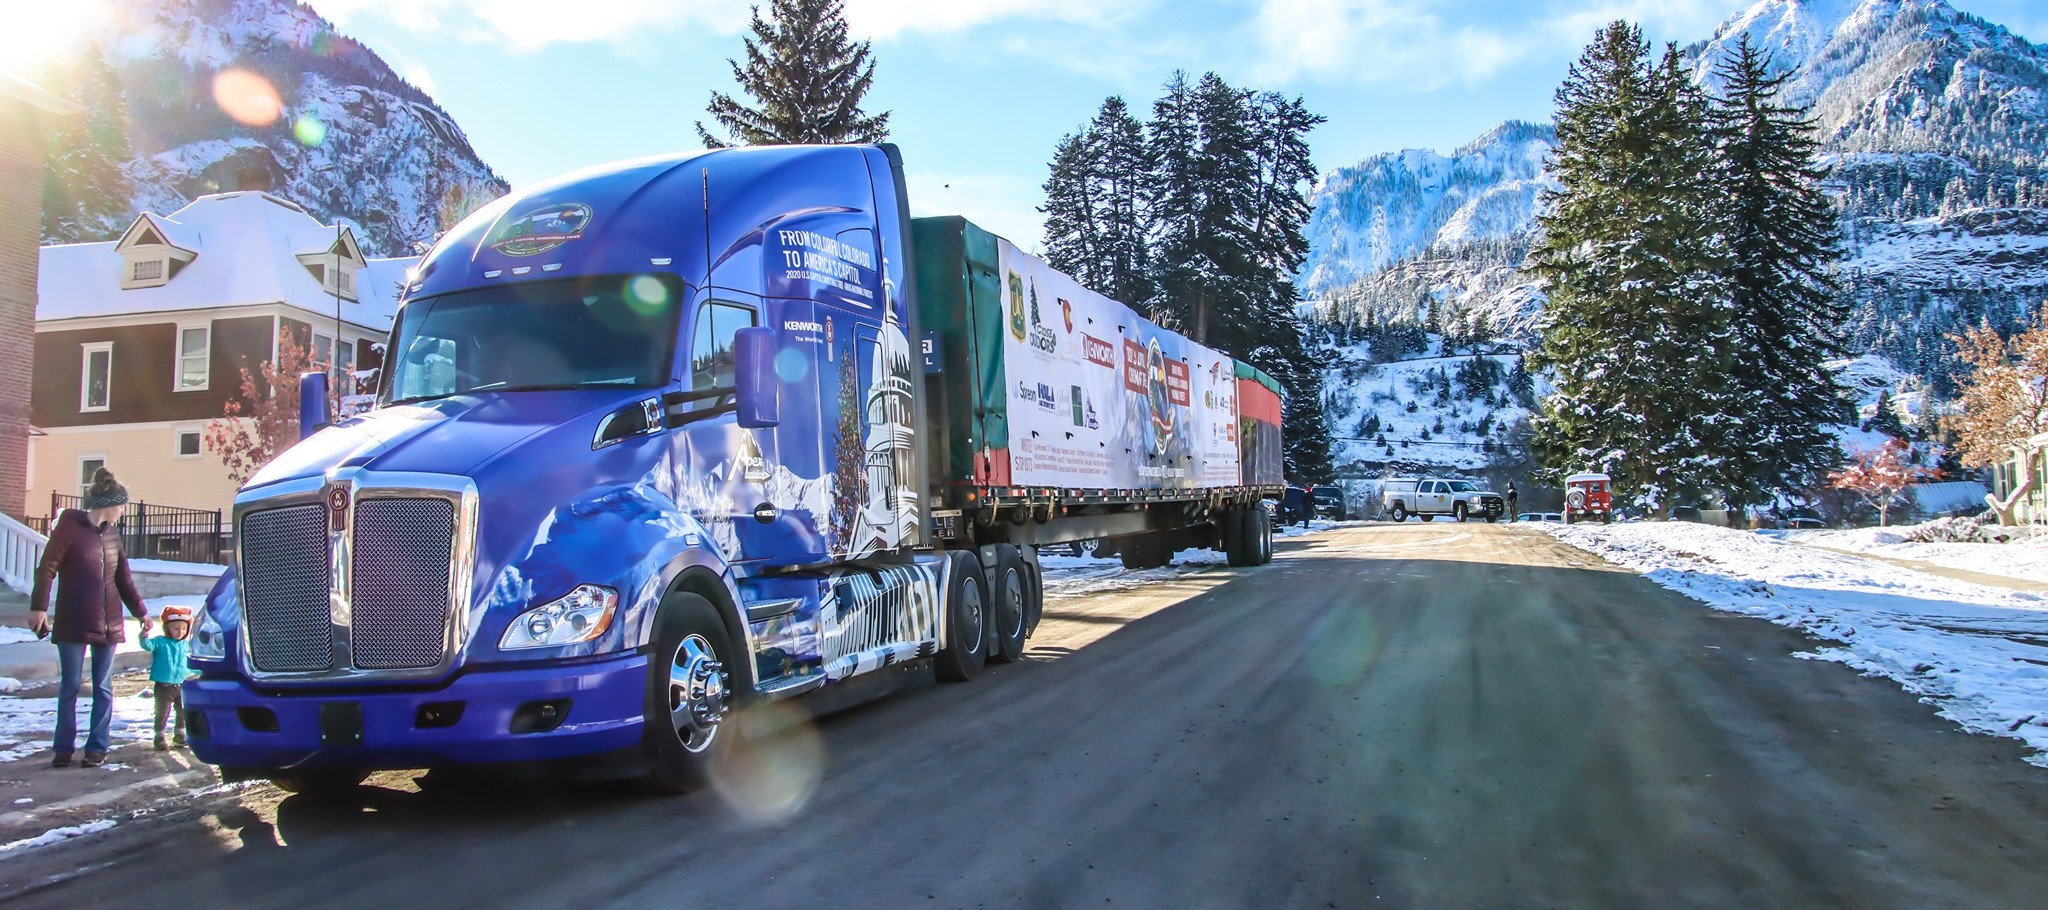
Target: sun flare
[35, 34]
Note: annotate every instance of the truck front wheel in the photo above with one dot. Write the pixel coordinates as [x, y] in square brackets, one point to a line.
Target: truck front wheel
[1458, 512]
[965, 647]
[689, 695]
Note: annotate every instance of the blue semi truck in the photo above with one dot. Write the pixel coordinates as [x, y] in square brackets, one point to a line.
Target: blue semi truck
[658, 441]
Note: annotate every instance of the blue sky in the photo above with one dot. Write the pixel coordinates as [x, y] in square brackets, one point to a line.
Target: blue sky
[982, 89]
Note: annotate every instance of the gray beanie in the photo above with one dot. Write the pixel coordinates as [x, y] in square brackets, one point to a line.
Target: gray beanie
[105, 492]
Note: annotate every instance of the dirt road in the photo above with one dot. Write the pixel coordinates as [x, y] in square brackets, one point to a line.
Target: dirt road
[1404, 716]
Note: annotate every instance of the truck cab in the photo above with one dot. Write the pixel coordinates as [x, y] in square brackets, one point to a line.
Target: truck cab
[645, 449]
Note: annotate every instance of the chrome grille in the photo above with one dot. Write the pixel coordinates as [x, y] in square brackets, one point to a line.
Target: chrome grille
[284, 578]
[399, 575]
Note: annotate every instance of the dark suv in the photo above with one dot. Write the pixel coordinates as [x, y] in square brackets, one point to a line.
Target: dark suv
[1329, 502]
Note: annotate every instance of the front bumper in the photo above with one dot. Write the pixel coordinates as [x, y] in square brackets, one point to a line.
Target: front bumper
[606, 702]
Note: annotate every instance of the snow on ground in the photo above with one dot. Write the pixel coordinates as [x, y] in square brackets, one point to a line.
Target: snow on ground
[2023, 559]
[171, 567]
[1978, 653]
[56, 835]
[1075, 576]
[25, 723]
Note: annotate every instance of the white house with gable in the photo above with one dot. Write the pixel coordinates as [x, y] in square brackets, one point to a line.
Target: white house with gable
[142, 341]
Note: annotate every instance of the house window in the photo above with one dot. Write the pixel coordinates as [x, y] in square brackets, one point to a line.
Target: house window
[88, 465]
[188, 444]
[147, 270]
[323, 350]
[345, 281]
[344, 368]
[96, 376]
[194, 354]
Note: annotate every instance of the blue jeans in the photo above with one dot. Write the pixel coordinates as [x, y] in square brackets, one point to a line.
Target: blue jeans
[70, 663]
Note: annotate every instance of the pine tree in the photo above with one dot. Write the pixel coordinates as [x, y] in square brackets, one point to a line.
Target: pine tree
[1123, 169]
[1072, 222]
[1637, 326]
[1783, 240]
[808, 78]
[86, 195]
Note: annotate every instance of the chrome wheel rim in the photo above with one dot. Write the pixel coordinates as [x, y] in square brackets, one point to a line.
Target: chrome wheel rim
[697, 693]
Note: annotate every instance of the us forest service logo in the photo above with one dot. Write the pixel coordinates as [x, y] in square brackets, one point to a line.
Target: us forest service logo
[541, 230]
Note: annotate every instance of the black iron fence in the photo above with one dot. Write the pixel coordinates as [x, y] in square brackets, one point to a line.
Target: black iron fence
[159, 532]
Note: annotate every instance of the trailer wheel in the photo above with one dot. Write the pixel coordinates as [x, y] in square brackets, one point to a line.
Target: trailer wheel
[1261, 525]
[1232, 525]
[1400, 513]
[689, 695]
[966, 646]
[1010, 594]
[322, 784]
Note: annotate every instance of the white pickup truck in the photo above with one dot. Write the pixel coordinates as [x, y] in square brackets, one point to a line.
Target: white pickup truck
[1429, 497]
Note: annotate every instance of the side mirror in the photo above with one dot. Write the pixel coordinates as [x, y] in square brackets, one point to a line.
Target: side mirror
[756, 386]
[313, 413]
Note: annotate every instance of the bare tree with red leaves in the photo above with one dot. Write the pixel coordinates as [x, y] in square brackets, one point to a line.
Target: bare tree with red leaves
[2004, 403]
[255, 427]
[1880, 475]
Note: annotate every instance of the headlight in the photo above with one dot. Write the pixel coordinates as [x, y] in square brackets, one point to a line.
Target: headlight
[581, 615]
[209, 640]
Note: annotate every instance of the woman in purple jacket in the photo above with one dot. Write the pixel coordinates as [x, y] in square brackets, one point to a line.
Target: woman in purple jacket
[84, 557]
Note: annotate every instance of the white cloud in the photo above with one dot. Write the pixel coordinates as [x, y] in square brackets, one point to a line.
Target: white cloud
[526, 25]
[1408, 42]
[1374, 41]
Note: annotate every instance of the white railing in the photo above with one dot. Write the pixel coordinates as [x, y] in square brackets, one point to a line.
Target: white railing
[20, 548]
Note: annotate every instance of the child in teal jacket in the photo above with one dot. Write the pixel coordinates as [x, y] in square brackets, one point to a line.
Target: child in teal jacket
[169, 654]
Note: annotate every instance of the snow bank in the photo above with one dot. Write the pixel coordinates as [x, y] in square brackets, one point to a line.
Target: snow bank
[1978, 653]
[1936, 543]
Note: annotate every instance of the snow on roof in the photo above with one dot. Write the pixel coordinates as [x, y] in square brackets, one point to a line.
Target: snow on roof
[247, 247]
[1948, 496]
[1586, 478]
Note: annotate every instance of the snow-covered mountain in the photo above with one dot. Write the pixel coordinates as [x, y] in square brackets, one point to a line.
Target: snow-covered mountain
[1392, 206]
[200, 96]
[1934, 127]
[1934, 124]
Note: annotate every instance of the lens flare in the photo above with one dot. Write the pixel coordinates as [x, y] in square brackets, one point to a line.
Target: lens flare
[310, 132]
[646, 293]
[248, 98]
[791, 365]
[774, 765]
[39, 34]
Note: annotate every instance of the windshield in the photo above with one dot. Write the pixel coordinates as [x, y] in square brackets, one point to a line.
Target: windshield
[1460, 486]
[616, 331]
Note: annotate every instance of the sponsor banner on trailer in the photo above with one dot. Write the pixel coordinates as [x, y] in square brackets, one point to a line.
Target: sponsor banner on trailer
[1100, 397]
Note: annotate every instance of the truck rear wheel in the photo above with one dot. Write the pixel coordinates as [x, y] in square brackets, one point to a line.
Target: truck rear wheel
[689, 695]
[1400, 513]
[966, 646]
[1010, 592]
